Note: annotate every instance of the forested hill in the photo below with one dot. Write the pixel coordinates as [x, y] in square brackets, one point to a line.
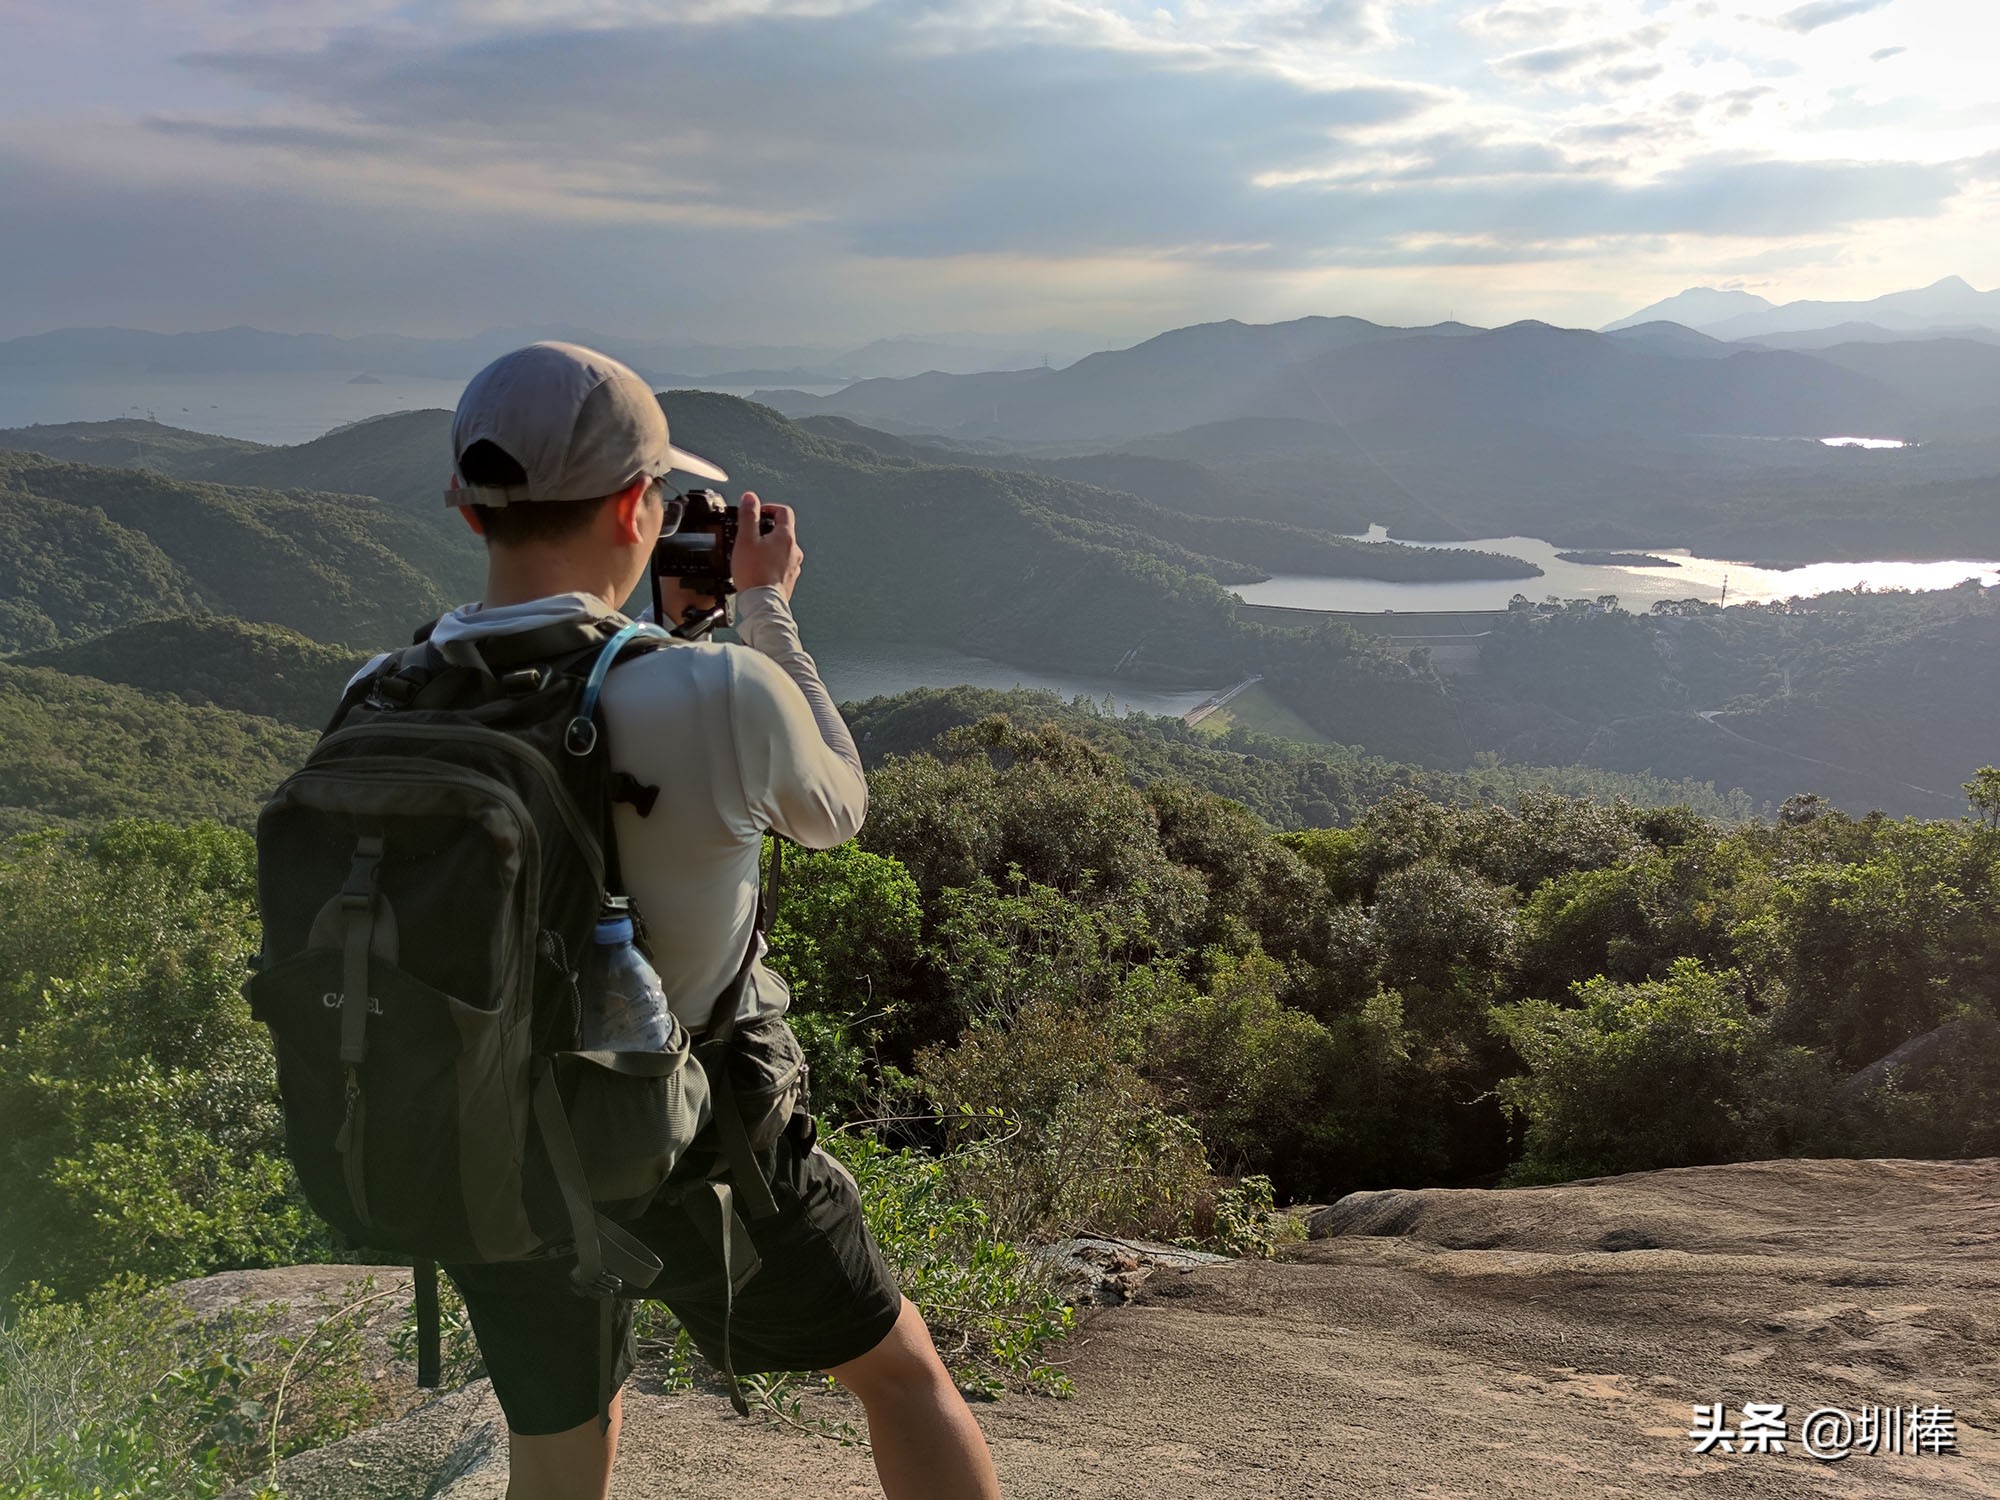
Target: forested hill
[201, 717]
[1023, 564]
[1290, 785]
[1868, 699]
[83, 548]
[215, 661]
[1022, 567]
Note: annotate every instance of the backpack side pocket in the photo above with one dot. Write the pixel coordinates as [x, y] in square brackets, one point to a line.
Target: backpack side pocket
[633, 1115]
[768, 1078]
[441, 1153]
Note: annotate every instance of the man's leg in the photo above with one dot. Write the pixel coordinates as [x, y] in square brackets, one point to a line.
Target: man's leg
[927, 1446]
[572, 1465]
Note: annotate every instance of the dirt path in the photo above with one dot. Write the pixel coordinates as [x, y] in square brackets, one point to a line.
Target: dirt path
[1479, 1344]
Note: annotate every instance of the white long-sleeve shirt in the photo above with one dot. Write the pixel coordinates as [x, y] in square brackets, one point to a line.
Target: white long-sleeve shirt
[738, 739]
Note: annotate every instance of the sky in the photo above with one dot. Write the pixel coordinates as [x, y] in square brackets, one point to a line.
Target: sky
[831, 171]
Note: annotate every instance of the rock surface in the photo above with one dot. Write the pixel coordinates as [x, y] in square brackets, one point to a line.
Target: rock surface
[1542, 1342]
[1102, 1271]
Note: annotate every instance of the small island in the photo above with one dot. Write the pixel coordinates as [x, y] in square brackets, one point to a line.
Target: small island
[364, 379]
[1618, 559]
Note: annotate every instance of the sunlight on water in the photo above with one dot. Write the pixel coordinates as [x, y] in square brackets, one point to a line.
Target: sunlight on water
[1637, 588]
[1862, 442]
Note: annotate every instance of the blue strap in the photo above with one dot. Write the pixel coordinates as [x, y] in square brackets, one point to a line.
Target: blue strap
[581, 738]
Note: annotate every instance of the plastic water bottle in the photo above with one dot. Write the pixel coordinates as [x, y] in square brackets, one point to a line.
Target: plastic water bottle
[625, 1007]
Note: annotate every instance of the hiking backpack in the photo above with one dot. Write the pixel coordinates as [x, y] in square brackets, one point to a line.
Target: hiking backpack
[429, 881]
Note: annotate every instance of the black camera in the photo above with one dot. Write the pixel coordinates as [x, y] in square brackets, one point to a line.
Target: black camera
[696, 553]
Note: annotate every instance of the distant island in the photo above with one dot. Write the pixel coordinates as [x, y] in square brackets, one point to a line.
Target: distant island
[364, 379]
[1618, 559]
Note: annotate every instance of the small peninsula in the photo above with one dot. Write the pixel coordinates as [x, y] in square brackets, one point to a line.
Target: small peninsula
[1618, 559]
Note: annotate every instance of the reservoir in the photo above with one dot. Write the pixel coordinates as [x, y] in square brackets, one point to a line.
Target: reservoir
[1637, 588]
[854, 673]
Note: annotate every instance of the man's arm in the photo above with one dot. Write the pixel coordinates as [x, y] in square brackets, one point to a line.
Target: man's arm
[764, 620]
[802, 776]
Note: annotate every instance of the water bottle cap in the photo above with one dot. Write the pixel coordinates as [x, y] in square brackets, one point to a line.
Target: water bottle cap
[614, 930]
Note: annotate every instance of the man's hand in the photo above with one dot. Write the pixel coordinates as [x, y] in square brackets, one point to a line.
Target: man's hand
[766, 559]
[758, 559]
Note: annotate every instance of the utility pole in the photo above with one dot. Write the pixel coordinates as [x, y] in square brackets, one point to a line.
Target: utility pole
[1725, 591]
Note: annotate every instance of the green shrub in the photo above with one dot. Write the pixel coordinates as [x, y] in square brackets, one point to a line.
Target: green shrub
[1057, 1133]
[996, 799]
[1317, 1104]
[1257, 1077]
[125, 1396]
[1950, 1109]
[993, 1314]
[996, 951]
[138, 1095]
[1247, 1222]
[1633, 1076]
[846, 929]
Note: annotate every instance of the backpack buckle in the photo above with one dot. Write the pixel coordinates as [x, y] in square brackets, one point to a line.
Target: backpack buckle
[603, 1284]
[392, 690]
[364, 874]
[522, 681]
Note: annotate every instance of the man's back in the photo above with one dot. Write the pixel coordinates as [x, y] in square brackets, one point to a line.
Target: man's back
[738, 739]
[560, 460]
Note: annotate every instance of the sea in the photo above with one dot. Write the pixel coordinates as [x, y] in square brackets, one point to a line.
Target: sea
[277, 406]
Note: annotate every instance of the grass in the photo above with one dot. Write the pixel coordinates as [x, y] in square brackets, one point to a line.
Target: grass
[1257, 708]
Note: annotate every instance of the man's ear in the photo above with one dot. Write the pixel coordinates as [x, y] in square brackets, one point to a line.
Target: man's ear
[624, 508]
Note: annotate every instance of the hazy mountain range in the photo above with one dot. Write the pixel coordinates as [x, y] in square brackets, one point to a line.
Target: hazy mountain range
[1651, 435]
[1446, 383]
[1947, 306]
[246, 350]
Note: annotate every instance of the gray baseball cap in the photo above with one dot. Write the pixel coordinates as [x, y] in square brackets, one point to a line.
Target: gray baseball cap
[580, 423]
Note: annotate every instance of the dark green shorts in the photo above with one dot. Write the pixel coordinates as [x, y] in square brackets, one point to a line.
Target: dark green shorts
[823, 1297]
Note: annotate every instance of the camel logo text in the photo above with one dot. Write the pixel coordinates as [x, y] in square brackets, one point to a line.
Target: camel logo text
[334, 999]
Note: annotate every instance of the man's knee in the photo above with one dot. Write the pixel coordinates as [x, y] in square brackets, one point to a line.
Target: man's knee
[903, 1366]
[571, 1465]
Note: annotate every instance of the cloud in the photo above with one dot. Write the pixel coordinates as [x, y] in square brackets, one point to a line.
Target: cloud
[1630, 73]
[1353, 23]
[1518, 22]
[307, 140]
[1578, 57]
[896, 142]
[1817, 13]
[1883, 54]
[968, 148]
[756, 158]
[1717, 197]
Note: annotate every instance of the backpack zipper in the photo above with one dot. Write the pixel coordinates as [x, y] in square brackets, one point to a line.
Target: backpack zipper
[531, 881]
[530, 901]
[579, 831]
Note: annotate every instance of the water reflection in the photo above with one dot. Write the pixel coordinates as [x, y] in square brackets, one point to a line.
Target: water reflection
[1867, 442]
[1637, 588]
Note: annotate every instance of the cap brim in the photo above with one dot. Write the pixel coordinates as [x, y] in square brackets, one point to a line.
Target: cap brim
[684, 462]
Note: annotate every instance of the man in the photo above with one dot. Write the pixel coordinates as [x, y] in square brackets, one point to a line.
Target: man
[560, 456]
